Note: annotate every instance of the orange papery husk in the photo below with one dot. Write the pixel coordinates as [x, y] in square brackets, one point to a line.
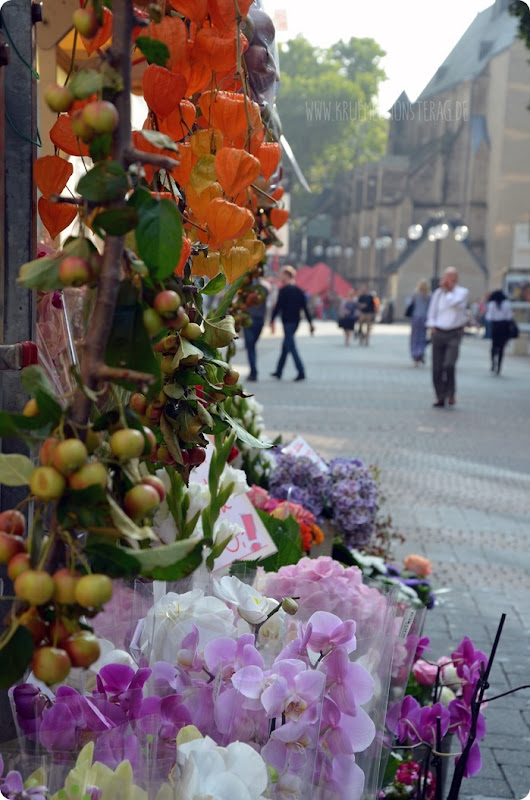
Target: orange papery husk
[206, 141]
[218, 52]
[173, 32]
[223, 13]
[163, 89]
[235, 262]
[56, 216]
[63, 137]
[235, 169]
[242, 140]
[51, 174]
[227, 220]
[278, 193]
[187, 160]
[102, 36]
[184, 255]
[269, 155]
[141, 143]
[278, 217]
[199, 202]
[205, 266]
[194, 10]
[180, 122]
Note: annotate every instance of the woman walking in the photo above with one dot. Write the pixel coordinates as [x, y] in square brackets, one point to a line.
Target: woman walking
[348, 315]
[498, 313]
[418, 332]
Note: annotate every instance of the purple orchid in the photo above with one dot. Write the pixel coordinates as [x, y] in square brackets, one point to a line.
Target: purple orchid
[30, 705]
[460, 723]
[116, 746]
[413, 723]
[465, 655]
[12, 787]
[123, 686]
[329, 631]
[228, 656]
[187, 657]
[347, 683]
[295, 692]
[343, 734]
[163, 717]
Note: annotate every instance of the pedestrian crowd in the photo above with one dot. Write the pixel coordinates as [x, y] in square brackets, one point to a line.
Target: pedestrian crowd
[437, 318]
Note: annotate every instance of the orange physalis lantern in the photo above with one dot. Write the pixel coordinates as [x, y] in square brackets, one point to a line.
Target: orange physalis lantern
[103, 34]
[51, 174]
[184, 255]
[186, 158]
[235, 169]
[206, 266]
[163, 90]
[255, 247]
[206, 141]
[235, 262]
[191, 9]
[223, 12]
[278, 193]
[179, 123]
[63, 137]
[269, 155]
[227, 220]
[200, 202]
[278, 217]
[216, 51]
[56, 216]
[173, 32]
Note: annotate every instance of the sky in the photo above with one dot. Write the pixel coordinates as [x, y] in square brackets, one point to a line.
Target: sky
[417, 35]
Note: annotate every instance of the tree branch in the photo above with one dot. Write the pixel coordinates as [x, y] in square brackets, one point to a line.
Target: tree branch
[106, 373]
[72, 201]
[132, 155]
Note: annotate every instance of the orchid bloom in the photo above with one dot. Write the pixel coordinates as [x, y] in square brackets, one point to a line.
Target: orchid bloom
[329, 631]
[294, 690]
[249, 603]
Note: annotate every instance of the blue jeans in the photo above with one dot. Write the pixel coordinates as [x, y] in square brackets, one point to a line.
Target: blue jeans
[289, 346]
[252, 334]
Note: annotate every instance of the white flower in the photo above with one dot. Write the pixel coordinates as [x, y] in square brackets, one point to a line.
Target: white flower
[446, 696]
[374, 562]
[199, 496]
[450, 676]
[224, 531]
[236, 772]
[172, 617]
[235, 476]
[250, 604]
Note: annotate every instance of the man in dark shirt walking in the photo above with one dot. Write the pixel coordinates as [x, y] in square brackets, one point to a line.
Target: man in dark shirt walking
[291, 301]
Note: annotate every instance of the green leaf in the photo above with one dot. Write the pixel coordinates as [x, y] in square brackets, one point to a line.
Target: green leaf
[242, 434]
[126, 526]
[141, 197]
[111, 560]
[129, 345]
[117, 221]
[159, 238]
[155, 51]
[15, 657]
[185, 350]
[170, 562]
[100, 147]
[15, 469]
[41, 274]
[215, 285]
[34, 379]
[87, 82]
[16, 424]
[228, 296]
[50, 411]
[84, 508]
[173, 390]
[285, 533]
[160, 140]
[104, 183]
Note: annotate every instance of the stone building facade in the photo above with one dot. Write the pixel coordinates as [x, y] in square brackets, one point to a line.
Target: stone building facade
[460, 155]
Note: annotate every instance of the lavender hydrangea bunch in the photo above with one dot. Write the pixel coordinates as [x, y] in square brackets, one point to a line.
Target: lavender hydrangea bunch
[353, 499]
[298, 479]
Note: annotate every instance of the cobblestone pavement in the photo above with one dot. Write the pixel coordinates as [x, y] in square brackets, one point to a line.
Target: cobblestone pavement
[457, 485]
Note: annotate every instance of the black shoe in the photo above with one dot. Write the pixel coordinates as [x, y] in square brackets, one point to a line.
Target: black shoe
[439, 404]
[252, 378]
[275, 375]
[300, 378]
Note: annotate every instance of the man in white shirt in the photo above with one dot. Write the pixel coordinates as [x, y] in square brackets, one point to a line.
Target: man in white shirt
[446, 317]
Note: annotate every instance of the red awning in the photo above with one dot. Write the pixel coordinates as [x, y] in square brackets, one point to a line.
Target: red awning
[317, 280]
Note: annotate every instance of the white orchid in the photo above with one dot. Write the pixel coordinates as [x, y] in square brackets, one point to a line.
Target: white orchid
[172, 617]
[224, 531]
[252, 606]
[236, 772]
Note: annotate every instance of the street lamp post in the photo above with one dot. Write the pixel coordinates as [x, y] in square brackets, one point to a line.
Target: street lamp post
[436, 233]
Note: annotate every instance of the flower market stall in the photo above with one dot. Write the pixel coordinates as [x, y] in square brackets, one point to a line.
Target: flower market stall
[170, 629]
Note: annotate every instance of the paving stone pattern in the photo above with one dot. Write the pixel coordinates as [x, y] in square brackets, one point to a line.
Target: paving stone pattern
[457, 485]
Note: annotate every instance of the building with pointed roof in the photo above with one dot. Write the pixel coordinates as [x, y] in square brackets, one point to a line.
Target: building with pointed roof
[459, 154]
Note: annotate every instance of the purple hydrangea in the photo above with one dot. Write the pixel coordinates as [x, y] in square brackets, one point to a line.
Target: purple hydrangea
[298, 479]
[353, 500]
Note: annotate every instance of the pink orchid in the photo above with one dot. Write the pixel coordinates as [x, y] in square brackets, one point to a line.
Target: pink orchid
[330, 631]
